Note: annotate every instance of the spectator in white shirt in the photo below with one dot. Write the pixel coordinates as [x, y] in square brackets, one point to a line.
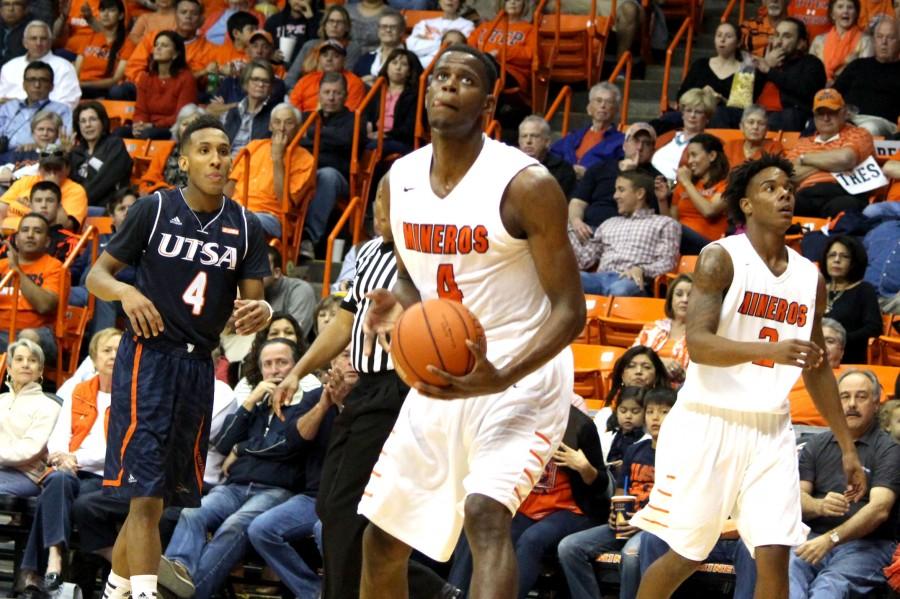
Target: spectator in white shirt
[38, 42]
[425, 39]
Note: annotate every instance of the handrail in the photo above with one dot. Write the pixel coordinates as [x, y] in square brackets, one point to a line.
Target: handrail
[14, 298]
[591, 32]
[90, 234]
[287, 205]
[380, 85]
[564, 96]
[536, 18]
[625, 61]
[726, 15]
[244, 154]
[329, 250]
[419, 135]
[494, 130]
[601, 54]
[686, 27]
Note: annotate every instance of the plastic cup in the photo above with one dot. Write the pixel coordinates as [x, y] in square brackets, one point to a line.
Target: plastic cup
[287, 45]
[622, 505]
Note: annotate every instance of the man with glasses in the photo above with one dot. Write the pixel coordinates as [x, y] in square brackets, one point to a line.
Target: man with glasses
[13, 18]
[38, 41]
[391, 29]
[836, 146]
[53, 165]
[16, 115]
[600, 140]
[534, 140]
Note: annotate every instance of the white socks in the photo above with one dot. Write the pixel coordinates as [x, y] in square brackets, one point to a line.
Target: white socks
[143, 586]
[117, 587]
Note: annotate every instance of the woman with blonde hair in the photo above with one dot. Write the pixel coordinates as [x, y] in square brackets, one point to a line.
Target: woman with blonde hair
[697, 107]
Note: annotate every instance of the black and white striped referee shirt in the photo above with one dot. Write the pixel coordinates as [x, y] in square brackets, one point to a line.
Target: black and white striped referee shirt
[376, 268]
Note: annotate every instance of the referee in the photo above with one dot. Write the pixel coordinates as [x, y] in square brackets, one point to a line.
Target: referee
[360, 430]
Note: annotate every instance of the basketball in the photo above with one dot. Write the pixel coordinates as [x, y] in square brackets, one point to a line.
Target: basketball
[434, 333]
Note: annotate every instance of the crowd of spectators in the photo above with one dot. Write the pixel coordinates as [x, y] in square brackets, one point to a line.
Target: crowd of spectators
[815, 80]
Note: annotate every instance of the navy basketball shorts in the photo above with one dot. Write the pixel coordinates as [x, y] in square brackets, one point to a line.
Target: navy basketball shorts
[158, 424]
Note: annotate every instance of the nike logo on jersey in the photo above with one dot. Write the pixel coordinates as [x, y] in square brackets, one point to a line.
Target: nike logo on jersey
[175, 221]
[187, 249]
[408, 188]
[445, 239]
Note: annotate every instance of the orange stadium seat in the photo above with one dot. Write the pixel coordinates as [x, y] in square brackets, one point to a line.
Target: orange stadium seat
[593, 365]
[120, 112]
[885, 350]
[581, 47]
[152, 147]
[626, 317]
[414, 16]
[685, 264]
[595, 305]
[103, 224]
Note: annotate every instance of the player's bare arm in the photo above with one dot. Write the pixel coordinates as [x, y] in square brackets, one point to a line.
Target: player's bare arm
[822, 387]
[712, 277]
[329, 343]
[533, 208]
[143, 315]
[387, 306]
[251, 312]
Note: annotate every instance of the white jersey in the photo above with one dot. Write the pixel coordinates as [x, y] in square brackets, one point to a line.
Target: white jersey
[758, 306]
[456, 247]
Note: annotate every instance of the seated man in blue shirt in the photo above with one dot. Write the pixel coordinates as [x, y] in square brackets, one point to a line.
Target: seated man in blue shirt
[15, 115]
[883, 248]
[600, 140]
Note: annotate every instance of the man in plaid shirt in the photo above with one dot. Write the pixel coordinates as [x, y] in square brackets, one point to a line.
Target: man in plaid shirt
[628, 250]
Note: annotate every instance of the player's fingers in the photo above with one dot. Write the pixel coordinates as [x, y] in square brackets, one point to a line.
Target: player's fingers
[384, 342]
[139, 324]
[154, 319]
[478, 351]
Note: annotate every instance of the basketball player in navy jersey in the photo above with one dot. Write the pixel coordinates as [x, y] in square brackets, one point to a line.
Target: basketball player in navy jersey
[484, 224]
[727, 449]
[194, 249]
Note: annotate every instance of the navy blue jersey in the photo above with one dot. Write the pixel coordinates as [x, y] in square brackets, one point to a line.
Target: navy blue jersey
[189, 263]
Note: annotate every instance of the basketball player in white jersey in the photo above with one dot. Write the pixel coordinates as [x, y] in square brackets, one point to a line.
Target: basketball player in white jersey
[482, 223]
[727, 448]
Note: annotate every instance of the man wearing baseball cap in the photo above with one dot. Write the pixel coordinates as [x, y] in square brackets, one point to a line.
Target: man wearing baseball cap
[332, 56]
[836, 146]
[592, 199]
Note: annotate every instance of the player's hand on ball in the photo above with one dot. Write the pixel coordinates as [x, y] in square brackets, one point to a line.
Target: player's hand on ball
[857, 484]
[250, 316]
[483, 379]
[833, 505]
[143, 315]
[383, 313]
[814, 550]
[283, 393]
[795, 352]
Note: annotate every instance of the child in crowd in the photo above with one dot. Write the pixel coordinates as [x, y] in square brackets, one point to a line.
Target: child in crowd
[625, 427]
[889, 418]
[578, 551]
[327, 310]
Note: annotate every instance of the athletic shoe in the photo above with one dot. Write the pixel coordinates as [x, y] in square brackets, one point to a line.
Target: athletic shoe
[175, 577]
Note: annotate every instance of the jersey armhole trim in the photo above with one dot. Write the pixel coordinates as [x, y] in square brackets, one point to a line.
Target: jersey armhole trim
[158, 194]
[246, 232]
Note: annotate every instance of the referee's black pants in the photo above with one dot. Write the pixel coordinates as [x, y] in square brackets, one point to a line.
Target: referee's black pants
[357, 436]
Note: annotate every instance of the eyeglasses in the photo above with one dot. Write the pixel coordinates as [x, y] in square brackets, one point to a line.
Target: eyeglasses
[12, 5]
[389, 27]
[261, 80]
[53, 154]
[38, 80]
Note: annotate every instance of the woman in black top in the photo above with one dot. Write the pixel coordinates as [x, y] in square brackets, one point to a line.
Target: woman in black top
[716, 74]
[851, 301]
[98, 161]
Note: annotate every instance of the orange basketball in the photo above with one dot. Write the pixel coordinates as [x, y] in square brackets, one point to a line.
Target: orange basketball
[434, 333]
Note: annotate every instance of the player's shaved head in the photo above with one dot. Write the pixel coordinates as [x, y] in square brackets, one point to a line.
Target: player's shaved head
[204, 121]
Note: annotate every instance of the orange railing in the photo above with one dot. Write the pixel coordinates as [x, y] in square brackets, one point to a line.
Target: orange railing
[361, 177]
[351, 208]
[564, 98]
[730, 8]
[625, 62]
[494, 130]
[90, 234]
[11, 275]
[687, 27]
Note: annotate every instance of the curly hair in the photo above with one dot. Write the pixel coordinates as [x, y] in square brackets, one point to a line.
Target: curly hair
[740, 177]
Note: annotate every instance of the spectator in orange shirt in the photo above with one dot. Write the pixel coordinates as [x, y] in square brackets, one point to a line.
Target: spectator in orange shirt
[519, 44]
[232, 55]
[697, 201]
[269, 172]
[331, 55]
[75, 28]
[102, 63]
[231, 89]
[844, 42]
[335, 25]
[755, 33]
[162, 18]
[163, 170]
[53, 165]
[167, 86]
[753, 144]
[837, 146]
[202, 56]
[40, 280]
[813, 14]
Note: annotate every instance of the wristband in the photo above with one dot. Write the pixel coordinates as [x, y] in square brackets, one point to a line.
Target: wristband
[271, 311]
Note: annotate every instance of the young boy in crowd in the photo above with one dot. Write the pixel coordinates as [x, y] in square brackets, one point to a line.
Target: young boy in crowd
[578, 551]
[46, 199]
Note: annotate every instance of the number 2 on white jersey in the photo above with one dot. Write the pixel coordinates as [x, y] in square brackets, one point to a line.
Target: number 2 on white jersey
[195, 294]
